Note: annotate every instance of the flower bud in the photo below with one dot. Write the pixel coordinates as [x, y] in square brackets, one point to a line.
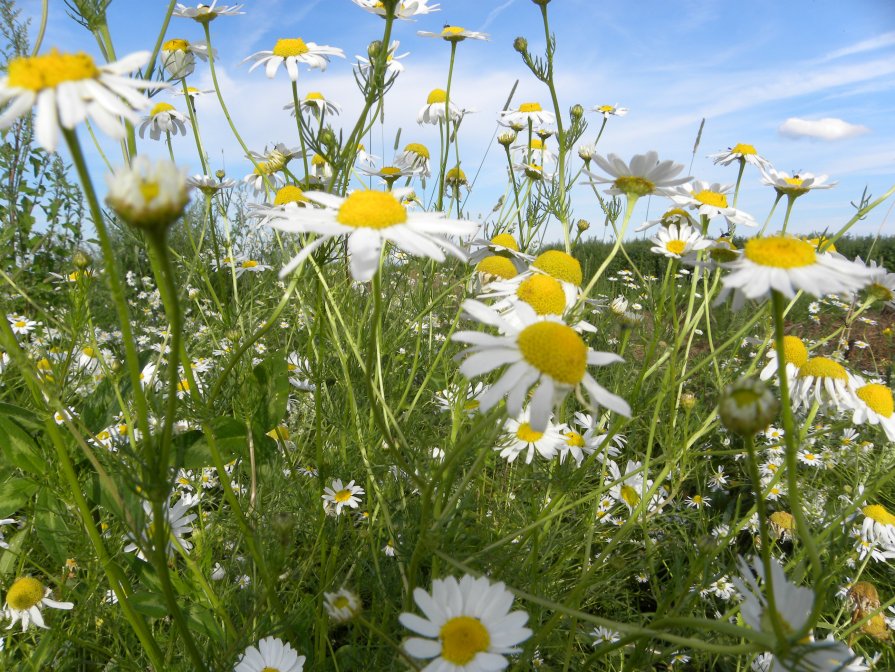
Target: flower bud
[81, 260]
[688, 401]
[146, 195]
[374, 48]
[507, 138]
[748, 407]
[783, 525]
[520, 44]
[583, 225]
[576, 112]
[220, 174]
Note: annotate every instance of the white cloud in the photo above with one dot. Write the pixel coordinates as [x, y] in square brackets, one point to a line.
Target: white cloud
[828, 128]
[870, 44]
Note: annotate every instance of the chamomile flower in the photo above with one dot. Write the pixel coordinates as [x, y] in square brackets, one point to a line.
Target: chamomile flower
[527, 113]
[179, 56]
[292, 52]
[520, 437]
[206, 13]
[740, 152]
[340, 496]
[873, 405]
[405, 9]
[878, 526]
[502, 245]
[178, 524]
[674, 216]
[542, 352]
[710, 200]
[342, 606]
[610, 111]
[454, 34]
[677, 241]
[468, 626]
[793, 603]
[542, 292]
[822, 380]
[21, 325]
[163, 118]
[147, 194]
[786, 265]
[415, 157]
[270, 655]
[369, 219]
[315, 103]
[601, 635]
[538, 151]
[389, 174]
[209, 184]
[643, 176]
[25, 600]
[796, 185]
[434, 111]
[795, 354]
[69, 88]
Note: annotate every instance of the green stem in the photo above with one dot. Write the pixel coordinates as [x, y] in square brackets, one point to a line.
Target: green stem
[770, 214]
[298, 123]
[790, 201]
[44, 12]
[194, 121]
[447, 125]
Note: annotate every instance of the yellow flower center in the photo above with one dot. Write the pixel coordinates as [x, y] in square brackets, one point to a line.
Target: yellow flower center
[575, 439]
[555, 350]
[630, 495]
[371, 209]
[537, 143]
[24, 593]
[780, 252]
[676, 246]
[418, 149]
[291, 47]
[527, 434]
[560, 265]
[89, 352]
[713, 198]
[270, 669]
[341, 602]
[794, 351]
[499, 266]
[390, 171]
[176, 45]
[318, 160]
[437, 96]
[455, 176]
[149, 189]
[342, 496]
[821, 367]
[606, 108]
[634, 185]
[289, 194]
[20, 324]
[43, 364]
[462, 638]
[161, 107]
[279, 433]
[794, 181]
[249, 263]
[50, 70]
[544, 294]
[452, 31]
[314, 95]
[875, 512]
[506, 240]
[817, 242]
[782, 520]
[878, 397]
[741, 148]
[530, 107]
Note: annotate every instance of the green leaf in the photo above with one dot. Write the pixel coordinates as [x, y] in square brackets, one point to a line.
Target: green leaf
[272, 395]
[23, 416]
[230, 438]
[150, 604]
[50, 526]
[14, 494]
[20, 449]
[10, 556]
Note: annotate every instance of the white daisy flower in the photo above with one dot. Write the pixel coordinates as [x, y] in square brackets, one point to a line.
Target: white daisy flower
[795, 354]
[610, 110]
[434, 110]
[342, 606]
[178, 524]
[677, 241]
[520, 437]
[293, 51]
[415, 157]
[542, 292]
[504, 245]
[454, 34]
[645, 175]
[787, 265]
[629, 488]
[25, 599]
[795, 185]
[527, 113]
[21, 325]
[315, 103]
[468, 626]
[148, 194]
[668, 218]
[270, 654]
[822, 380]
[370, 219]
[711, 201]
[404, 10]
[192, 92]
[206, 13]
[209, 184]
[601, 635]
[878, 526]
[544, 353]
[179, 56]
[340, 496]
[873, 405]
[538, 151]
[163, 118]
[740, 152]
[69, 88]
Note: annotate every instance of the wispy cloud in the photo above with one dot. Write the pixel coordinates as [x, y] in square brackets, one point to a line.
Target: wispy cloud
[870, 44]
[828, 128]
[494, 13]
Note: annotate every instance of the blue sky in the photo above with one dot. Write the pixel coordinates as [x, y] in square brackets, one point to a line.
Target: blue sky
[759, 72]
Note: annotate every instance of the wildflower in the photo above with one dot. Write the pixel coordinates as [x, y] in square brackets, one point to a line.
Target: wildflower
[370, 219]
[208, 184]
[404, 9]
[543, 352]
[146, 195]
[521, 437]
[293, 51]
[68, 88]
[787, 265]
[341, 496]
[467, 626]
[416, 158]
[782, 525]
[679, 241]
[795, 354]
[21, 325]
[711, 201]
[610, 110]
[177, 520]
[25, 600]
[179, 56]
[795, 186]
[270, 654]
[740, 152]
[342, 606]
[206, 13]
[698, 502]
[873, 405]
[316, 103]
[389, 174]
[454, 34]
[645, 175]
[630, 487]
[878, 526]
[163, 118]
[527, 113]
[193, 92]
[434, 110]
[822, 380]
[602, 635]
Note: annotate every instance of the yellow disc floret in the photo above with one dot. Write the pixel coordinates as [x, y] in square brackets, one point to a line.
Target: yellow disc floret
[418, 149]
[741, 148]
[574, 439]
[794, 351]
[290, 194]
[499, 266]
[290, 47]
[676, 246]
[780, 252]
[876, 512]
[530, 107]
[50, 70]
[342, 496]
[822, 367]
[878, 398]
[543, 293]
[462, 639]
[161, 107]
[314, 95]
[634, 185]
[555, 350]
[372, 210]
[24, 593]
[176, 44]
[560, 265]
[713, 198]
[453, 31]
[437, 96]
[527, 434]
[506, 240]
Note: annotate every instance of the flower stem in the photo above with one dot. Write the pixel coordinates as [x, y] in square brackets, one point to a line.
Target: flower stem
[447, 124]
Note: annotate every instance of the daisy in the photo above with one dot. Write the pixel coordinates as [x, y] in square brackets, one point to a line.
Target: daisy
[179, 56]
[520, 437]
[25, 599]
[434, 111]
[404, 10]
[882, 283]
[743, 153]
[873, 405]
[544, 353]
[148, 195]
[711, 201]
[393, 66]
[209, 184]
[271, 655]
[503, 245]
[878, 526]
[795, 186]
[793, 603]
[645, 175]
[542, 292]
[536, 149]
[786, 265]
[602, 635]
[178, 524]
[610, 111]
[341, 496]
[163, 118]
[293, 51]
[193, 92]
[21, 325]
[698, 502]
[676, 216]
[630, 487]
[389, 174]
[468, 626]
[370, 219]
[68, 88]
[528, 113]
[822, 380]
[415, 157]
[454, 34]
[206, 13]
[795, 354]
[342, 606]
[317, 104]
[533, 172]
[677, 241]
